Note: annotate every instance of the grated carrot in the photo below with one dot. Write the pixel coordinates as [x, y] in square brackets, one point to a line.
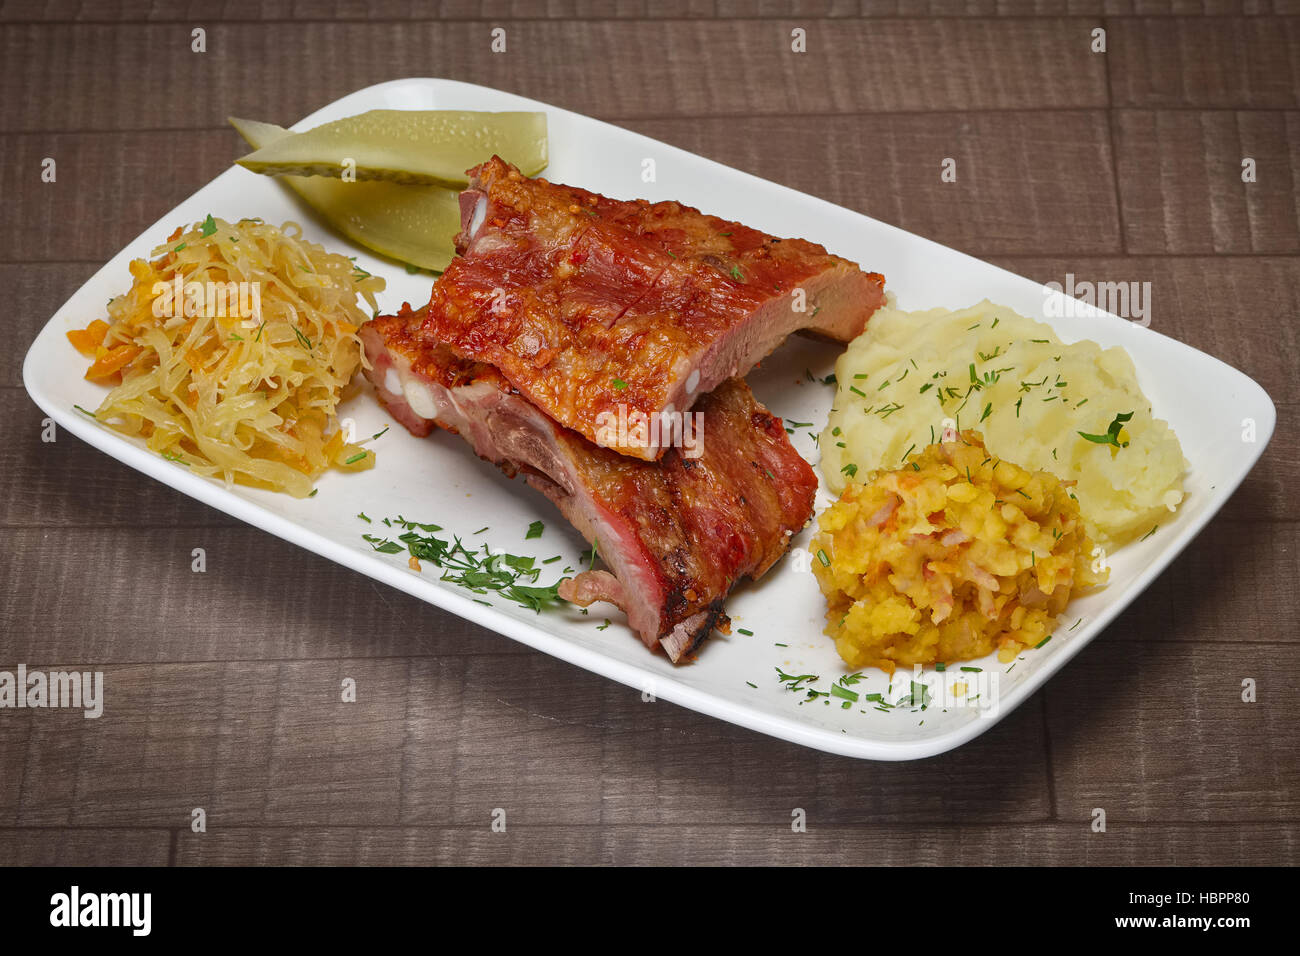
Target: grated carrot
[113, 361]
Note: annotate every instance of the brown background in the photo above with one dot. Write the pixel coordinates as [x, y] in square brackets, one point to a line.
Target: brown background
[223, 687]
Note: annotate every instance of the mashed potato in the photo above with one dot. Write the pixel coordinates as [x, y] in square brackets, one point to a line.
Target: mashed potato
[988, 368]
[949, 557]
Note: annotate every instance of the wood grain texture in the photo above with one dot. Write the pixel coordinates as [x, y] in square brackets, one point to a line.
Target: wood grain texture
[1230, 307]
[276, 600]
[1180, 181]
[147, 77]
[1213, 593]
[1221, 63]
[223, 688]
[445, 740]
[208, 11]
[109, 188]
[1007, 198]
[1222, 759]
[67, 482]
[1044, 844]
[64, 846]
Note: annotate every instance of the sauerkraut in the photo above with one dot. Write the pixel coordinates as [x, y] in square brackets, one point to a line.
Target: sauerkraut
[231, 351]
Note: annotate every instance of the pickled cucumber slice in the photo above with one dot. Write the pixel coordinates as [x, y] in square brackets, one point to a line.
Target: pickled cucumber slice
[415, 224]
[419, 147]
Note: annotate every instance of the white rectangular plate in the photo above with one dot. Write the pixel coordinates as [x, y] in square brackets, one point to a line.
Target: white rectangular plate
[438, 479]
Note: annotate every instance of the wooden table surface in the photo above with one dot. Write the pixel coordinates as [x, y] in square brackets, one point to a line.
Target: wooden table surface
[1123, 165]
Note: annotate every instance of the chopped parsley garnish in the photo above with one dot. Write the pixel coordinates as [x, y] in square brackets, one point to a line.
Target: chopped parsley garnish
[510, 575]
[1112, 433]
[737, 274]
[838, 690]
[619, 384]
[534, 530]
[795, 682]
[208, 227]
[850, 469]
[382, 545]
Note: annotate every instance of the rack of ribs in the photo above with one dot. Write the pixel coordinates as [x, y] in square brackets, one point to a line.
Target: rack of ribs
[594, 308]
[676, 534]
